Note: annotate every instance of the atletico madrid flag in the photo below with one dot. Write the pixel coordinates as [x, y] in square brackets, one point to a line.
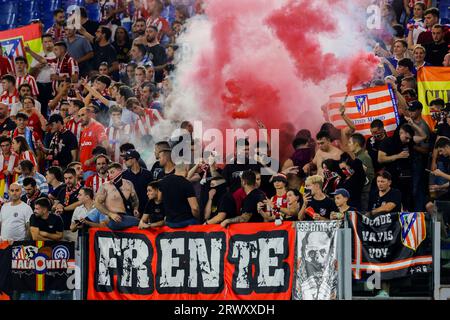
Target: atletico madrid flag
[364, 106]
[13, 41]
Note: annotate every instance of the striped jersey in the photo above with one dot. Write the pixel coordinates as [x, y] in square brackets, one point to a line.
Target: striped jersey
[75, 127]
[95, 182]
[146, 122]
[117, 137]
[31, 81]
[364, 106]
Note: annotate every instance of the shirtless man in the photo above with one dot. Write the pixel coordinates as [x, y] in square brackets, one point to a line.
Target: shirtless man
[326, 151]
[121, 209]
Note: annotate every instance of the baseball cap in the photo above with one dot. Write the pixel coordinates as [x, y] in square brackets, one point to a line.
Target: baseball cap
[280, 177]
[54, 118]
[343, 192]
[132, 154]
[415, 105]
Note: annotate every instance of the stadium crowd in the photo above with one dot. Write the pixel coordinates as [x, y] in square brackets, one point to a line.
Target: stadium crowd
[72, 125]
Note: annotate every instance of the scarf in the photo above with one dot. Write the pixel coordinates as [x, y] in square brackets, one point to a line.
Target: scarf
[69, 192]
[55, 144]
[33, 197]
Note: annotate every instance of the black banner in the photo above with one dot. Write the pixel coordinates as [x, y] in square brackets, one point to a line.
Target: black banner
[41, 266]
[391, 245]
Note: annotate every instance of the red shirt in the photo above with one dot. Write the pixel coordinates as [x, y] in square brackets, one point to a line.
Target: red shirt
[5, 66]
[239, 196]
[91, 136]
[28, 155]
[280, 202]
[35, 124]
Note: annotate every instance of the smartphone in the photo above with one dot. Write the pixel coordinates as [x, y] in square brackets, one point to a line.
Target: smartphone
[428, 170]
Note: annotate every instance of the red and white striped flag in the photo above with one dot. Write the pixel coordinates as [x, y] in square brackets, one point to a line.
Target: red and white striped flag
[364, 106]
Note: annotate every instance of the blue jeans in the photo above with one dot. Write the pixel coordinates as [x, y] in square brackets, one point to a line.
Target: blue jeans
[127, 222]
[182, 224]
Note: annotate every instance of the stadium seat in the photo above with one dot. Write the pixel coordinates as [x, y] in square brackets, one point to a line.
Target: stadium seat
[8, 7]
[50, 5]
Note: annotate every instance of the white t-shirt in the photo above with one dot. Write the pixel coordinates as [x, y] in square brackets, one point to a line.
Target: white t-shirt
[47, 71]
[13, 220]
[80, 213]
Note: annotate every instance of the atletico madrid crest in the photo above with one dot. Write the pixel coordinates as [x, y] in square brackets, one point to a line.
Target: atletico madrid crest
[362, 103]
[13, 47]
[413, 229]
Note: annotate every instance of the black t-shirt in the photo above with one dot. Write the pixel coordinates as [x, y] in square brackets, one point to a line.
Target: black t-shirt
[7, 125]
[155, 211]
[436, 53]
[67, 215]
[158, 55]
[323, 207]
[91, 27]
[394, 196]
[227, 205]
[250, 205]
[103, 54]
[372, 147]
[232, 173]
[52, 224]
[157, 172]
[355, 183]
[31, 203]
[140, 182]
[175, 192]
[67, 143]
[392, 146]
[122, 52]
[56, 191]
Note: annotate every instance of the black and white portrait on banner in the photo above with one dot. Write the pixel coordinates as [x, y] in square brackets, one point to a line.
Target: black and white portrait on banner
[316, 261]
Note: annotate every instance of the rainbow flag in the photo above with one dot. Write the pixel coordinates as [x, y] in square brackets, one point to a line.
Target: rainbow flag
[13, 41]
[364, 106]
[432, 83]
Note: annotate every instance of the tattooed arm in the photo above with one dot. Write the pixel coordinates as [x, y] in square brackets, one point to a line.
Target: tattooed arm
[134, 201]
[245, 217]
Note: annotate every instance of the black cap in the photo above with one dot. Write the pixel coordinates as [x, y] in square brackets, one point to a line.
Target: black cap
[415, 105]
[54, 118]
[438, 101]
[132, 154]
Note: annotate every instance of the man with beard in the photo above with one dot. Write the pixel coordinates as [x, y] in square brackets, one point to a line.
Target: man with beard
[79, 49]
[32, 192]
[57, 29]
[158, 52]
[6, 124]
[97, 180]
[92, 135]
[118, 200]
[67, 201]
[104, 51]
[139, 30]
[63, 144]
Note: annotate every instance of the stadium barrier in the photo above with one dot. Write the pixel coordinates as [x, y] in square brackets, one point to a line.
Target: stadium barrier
[296, 260]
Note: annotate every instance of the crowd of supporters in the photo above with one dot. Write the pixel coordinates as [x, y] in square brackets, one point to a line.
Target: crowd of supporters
[72, 125]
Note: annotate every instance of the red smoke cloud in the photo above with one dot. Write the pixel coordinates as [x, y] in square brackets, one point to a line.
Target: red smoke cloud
[266, 63]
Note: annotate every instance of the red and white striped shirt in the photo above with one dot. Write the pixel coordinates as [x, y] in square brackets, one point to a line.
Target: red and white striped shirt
[95, 182]
[58, 34]
[146, 122]
[116, 137]
[31, 81]
[65, 67]
[9, 100]
[75, 127]
[160, 23]
[28, 155]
